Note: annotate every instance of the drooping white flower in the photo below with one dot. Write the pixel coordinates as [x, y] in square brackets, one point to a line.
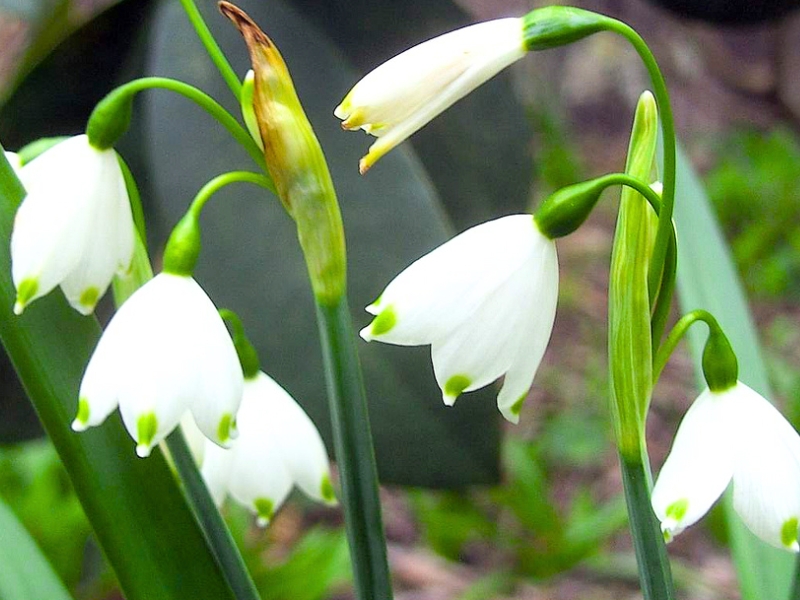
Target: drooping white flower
[164, 352]
[403, 94]
[74, 228]
[736, 435]
[485, 301]
[278, 446]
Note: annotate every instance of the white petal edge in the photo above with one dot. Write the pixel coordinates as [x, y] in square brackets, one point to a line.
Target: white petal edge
[700, 464]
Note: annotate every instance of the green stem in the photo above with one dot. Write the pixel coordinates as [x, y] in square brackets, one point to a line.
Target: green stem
[678, 331]
[648, 540]
[213, 526]
[664, 233]
[355, 456]
[220, 181]
[123, 95]
[213, 49]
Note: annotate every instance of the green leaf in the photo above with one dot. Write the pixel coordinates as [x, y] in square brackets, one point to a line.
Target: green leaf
[707, 279]
[25, 573]
[252, 264]
[135, 506]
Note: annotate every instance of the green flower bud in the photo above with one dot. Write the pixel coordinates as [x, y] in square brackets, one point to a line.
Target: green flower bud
[559, 25]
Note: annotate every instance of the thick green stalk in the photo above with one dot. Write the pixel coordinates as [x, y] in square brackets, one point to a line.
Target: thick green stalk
[117, 104]
[355, 456]
[648, 540]
[213, 49]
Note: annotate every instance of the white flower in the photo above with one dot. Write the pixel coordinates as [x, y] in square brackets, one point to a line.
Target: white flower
[278, 446]
[165, 351]
[485, 301]
[733, 435]
[74, 227]
[403, 94]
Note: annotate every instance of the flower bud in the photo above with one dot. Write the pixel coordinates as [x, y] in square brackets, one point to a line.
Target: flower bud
[295, 161]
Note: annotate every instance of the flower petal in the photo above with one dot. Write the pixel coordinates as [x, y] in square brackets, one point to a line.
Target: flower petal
[216, 470]
[301, 445]
[108, 248]
[766, 480]
[700, 464]
[441, 290]
[536, 331]
[403, 94]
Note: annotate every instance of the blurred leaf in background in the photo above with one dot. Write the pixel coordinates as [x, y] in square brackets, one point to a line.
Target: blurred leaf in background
[35, 485]
[755, 187]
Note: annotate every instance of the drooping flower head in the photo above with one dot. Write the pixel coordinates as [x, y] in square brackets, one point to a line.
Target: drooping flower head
[403, 94]
[278, 447]
[733, 434]
[166, 351]
[485, 301]
[74, 228]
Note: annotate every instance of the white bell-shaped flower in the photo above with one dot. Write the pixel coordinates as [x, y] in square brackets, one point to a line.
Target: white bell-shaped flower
[164, 352]
[485, 301]
[74, 228]
[278, 447]
[736, 435]
[403, 94]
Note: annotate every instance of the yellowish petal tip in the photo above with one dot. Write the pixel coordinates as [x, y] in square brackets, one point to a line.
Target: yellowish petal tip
[78, 426]
[19, 307]
[449, 400]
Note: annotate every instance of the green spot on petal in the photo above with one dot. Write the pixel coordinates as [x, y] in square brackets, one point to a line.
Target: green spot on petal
[789, 533]
[265, 509]
[25, 293]
[677, 510]
[384, 322]
[146, 428]
[83, 411]
[516, 408]
[327, 491]
[224, 428]
[456, 385]
[89, 297]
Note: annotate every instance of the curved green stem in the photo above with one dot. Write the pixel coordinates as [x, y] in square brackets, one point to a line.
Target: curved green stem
[678, 331]
[213, 49]
[662, 242]
[183, 247]
[122, 96]
[220, 181]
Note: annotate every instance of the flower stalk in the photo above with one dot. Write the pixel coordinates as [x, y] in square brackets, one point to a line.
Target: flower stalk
[303, 183]
[630, 353]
